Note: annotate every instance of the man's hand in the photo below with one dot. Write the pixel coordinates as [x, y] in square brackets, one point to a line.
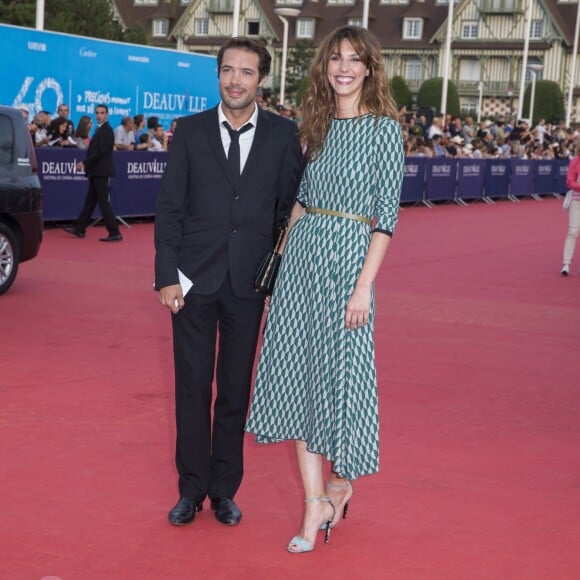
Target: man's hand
[172, 297]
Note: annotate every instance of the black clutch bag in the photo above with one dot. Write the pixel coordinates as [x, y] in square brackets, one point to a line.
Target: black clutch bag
[267, 271]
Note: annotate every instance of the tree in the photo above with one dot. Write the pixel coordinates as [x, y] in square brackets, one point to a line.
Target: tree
[90, 18]
[299, 59]
[401, 92]
[136, 35]
[19, 13]
[430, 95]
[548, 102]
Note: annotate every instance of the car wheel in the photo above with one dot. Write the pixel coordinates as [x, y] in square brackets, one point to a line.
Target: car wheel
[9, 257]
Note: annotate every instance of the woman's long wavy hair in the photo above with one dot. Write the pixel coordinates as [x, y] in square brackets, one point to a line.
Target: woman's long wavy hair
[319, 105]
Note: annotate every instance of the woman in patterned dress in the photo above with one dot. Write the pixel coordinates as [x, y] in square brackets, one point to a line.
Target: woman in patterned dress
[316, 379]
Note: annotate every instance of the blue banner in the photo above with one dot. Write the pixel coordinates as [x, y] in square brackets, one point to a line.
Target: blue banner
[135, 187]
[63, 187]
[470, 179]
[41, 69]
[543, 176]
[133, 190]
[413, 180]
[522, 178]
[440, 179]
[497, 178]
[560, 172]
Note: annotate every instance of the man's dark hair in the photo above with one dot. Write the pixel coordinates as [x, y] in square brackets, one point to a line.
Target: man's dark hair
[152, 122]
[251, 46]
[102, 107]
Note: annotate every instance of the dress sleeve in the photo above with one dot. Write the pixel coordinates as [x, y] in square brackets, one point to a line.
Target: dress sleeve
[390, 165]
[302, 197]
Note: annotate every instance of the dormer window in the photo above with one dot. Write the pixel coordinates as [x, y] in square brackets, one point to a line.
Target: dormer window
[305, 28]
[537, 29]
[160, 27]
[470, 29]
[412, 28]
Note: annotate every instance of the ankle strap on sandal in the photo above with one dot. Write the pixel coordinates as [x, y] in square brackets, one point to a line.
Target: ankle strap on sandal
[311, 499]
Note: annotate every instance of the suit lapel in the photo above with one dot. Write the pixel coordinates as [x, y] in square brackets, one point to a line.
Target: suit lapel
[262, 128]
[212, 131]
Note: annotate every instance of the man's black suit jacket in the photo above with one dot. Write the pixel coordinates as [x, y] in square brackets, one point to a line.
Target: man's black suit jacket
[99, 161]
[205, 225]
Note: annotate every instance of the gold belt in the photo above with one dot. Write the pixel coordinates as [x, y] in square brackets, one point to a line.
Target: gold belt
[350, 216]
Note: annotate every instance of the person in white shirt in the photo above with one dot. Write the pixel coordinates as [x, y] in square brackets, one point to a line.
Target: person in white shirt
[125, 135]
[159, 139]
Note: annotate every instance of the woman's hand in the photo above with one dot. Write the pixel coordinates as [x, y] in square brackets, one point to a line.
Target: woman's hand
[358, 308]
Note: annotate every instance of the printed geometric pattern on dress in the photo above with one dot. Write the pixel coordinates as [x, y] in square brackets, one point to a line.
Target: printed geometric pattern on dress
[316, 381]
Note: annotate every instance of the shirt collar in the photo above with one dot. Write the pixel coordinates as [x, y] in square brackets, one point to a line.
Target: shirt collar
[253, 119]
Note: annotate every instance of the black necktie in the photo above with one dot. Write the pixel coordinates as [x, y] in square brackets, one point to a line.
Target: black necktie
[234, 151]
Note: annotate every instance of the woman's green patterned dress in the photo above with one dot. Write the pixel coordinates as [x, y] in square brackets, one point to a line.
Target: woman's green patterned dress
[316, 380]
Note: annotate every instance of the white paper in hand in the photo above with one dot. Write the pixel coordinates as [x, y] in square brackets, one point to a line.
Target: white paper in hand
[184, 282]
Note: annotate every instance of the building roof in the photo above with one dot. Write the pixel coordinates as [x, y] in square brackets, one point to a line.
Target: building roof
[144, 15]
[385, 20]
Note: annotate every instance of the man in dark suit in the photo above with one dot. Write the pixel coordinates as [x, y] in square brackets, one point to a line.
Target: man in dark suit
[99, 168]
[231, 177]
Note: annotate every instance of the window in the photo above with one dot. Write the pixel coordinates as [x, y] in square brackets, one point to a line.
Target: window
[394, 1]
[6, 140]
[470, 29]
[287, 2]
[469, 70]
[499, 6]
[220, 6]
[253, 28]
[412, 28]
[146, 2]
[160, 27]
[185, 2]
[537, 29]
[535, 62]
[331, 2]
[201, 26]
[412, 69]
[355, 21]
[305, 28]
[469, 104]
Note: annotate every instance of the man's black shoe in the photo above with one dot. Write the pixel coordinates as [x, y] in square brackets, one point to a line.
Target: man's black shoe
[112, 238]
[184, 511]
[74, 232]
[226, 511]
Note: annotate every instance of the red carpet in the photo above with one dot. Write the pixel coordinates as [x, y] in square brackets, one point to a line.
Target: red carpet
[478, 346]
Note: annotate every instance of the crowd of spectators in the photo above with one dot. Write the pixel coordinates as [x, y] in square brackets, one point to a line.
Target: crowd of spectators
[133, 133]
[442, 136]
[450, 136]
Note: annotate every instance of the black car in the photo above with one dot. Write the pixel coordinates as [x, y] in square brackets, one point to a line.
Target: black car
[20, 196]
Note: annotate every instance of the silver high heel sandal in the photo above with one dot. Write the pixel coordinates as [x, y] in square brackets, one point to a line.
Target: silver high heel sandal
[344, 485]
[304, 545]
